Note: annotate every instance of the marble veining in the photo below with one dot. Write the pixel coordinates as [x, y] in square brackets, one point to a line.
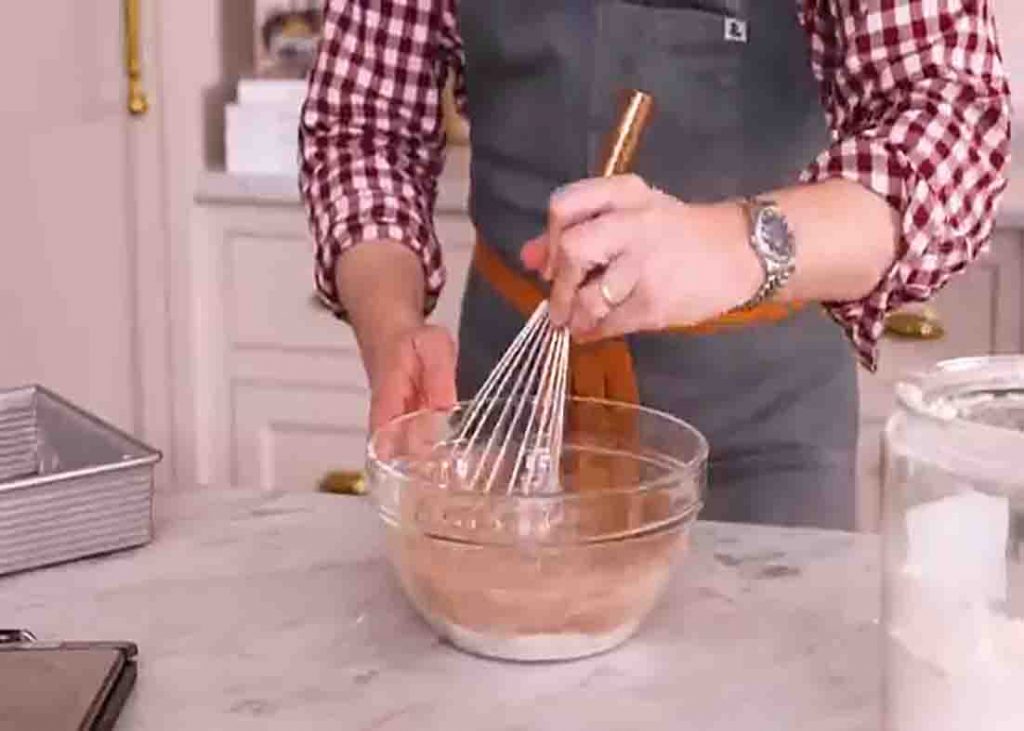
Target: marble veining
[280, 612]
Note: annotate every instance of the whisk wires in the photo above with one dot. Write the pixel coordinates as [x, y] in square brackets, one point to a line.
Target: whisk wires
[511, 433]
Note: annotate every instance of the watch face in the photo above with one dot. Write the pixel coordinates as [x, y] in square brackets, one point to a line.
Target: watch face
[773, 232]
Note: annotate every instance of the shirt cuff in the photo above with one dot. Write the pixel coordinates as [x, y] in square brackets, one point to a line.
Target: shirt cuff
[882, 169]
[384, 219]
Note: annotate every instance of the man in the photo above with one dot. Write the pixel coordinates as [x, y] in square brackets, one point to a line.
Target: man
[824, 156]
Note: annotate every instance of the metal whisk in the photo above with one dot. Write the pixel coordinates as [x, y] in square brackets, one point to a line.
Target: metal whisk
[512, 430]
[522, 400]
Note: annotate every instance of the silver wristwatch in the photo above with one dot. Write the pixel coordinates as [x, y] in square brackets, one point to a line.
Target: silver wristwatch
[772, 240]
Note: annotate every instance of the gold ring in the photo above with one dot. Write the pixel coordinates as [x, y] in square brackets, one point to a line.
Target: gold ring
[606, 295]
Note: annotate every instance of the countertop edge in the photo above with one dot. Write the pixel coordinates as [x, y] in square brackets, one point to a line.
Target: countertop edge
[221, 188]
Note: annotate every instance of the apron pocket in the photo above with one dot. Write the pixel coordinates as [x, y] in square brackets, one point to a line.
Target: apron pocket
[682, 56]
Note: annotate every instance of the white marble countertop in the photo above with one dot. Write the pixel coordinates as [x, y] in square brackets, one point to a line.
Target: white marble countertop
[280, 612]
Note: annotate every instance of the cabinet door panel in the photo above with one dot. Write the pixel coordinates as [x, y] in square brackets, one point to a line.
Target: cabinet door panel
[456, 236]
[270, 301]
[270, 281]
[1008, 252]
[287, 436]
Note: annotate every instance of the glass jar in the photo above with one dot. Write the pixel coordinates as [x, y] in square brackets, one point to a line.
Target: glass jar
[953, 534]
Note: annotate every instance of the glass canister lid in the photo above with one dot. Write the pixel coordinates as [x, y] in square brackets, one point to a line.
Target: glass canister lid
[1002, 408]
[967, 414]
[986, 391]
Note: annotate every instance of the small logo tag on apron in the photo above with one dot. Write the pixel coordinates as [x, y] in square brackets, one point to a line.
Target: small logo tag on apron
[735, 30]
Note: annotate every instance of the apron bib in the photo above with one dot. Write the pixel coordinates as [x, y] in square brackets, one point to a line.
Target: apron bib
[737, 113]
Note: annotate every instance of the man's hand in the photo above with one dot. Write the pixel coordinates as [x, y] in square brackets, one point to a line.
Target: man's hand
[410, 365]
[414, 370]
[623, 257]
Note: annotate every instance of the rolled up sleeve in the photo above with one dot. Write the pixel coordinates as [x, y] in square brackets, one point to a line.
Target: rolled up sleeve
[371, 133]
[918, 102]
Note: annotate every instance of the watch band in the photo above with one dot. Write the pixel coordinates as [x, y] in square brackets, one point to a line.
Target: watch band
[776, 257]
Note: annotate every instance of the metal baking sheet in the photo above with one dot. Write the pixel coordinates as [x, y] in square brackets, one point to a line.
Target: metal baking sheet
[71, 485]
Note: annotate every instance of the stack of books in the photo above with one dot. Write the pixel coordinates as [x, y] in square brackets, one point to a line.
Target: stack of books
[262, 127]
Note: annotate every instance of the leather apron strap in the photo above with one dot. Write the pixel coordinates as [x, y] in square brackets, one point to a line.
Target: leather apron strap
[605, 369]
[596, 370]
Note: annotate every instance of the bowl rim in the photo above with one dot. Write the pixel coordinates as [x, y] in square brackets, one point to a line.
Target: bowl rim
[695, 464]
[678, 522]
[915, 389]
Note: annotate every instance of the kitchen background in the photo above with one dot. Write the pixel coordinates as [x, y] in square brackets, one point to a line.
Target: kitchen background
[157, 270]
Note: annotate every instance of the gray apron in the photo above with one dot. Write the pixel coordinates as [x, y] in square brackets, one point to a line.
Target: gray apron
[738, 112]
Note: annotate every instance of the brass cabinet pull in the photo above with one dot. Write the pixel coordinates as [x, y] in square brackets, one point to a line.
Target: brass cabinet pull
[343, 483]
[138, 103]
[913, 325]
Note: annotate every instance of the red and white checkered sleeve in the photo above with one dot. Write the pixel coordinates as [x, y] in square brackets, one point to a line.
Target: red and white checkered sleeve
[918, 102]
[371, 133]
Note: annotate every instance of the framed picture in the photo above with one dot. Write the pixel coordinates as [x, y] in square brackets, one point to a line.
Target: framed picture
[286, 35]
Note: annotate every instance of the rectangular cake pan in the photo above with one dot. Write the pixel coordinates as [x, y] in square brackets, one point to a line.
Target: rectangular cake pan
[71, 485]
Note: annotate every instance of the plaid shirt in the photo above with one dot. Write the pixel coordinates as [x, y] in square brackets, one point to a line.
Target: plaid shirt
[915, 93]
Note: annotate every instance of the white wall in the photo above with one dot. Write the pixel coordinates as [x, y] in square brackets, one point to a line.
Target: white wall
[1010, 22]
[203, 47]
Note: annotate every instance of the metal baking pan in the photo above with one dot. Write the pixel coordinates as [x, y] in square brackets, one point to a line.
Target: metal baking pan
[71, 485]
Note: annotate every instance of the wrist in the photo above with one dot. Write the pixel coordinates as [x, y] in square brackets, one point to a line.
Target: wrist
[746, 272]
[770, 239]
[379, 340]
[381, 286]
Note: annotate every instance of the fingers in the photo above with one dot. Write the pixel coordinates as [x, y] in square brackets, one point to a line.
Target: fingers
[390, 398]
[585, 248]
[632, 316]
[420, 374]
[587, 199]
[588, 310]
[435, 350]
[597, 300]
[534, 254]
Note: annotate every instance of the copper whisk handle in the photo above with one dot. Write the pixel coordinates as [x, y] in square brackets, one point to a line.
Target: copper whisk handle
[624, 141]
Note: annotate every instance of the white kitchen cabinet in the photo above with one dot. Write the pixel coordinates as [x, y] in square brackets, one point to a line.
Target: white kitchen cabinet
[288, 399]
[280, 396]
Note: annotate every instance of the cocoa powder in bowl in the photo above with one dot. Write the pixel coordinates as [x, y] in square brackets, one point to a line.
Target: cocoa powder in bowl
[551, 572]
[580, 564]
[509, 590]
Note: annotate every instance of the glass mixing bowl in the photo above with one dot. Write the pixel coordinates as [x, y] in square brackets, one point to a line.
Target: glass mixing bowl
[562, 572]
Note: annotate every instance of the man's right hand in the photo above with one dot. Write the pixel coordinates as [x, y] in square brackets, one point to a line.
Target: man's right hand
[414, 370]
[411, 365]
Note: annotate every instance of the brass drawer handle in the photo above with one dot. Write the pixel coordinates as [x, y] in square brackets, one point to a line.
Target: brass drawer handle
[138, 102]
[923, 325]
[342, 482]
